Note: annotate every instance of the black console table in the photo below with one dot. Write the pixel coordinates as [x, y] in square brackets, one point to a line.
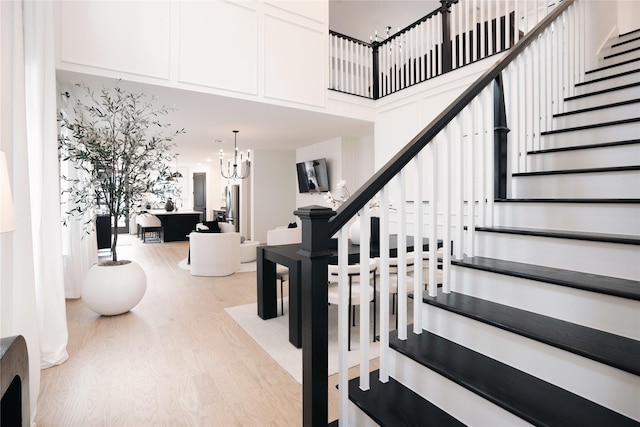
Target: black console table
[177, 224]
[287, 255]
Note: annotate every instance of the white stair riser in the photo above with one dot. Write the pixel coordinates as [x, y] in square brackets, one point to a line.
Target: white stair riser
[619, 58]
[620, 45]
[357, 418]
[597, 218]
[466, 406]
[582, 185]
[618, 316]
[612, 133]
[601, 99]
[608, 259]
[608, 84]
[624, 37]
[613, 70]
[629, 111]
[617, 390]
[620, 155]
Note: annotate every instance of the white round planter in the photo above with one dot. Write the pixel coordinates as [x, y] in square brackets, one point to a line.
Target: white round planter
[114, 289]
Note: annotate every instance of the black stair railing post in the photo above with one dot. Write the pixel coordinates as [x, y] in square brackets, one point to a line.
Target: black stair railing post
[376, 71]
[445, 15]
[315, 252]
[500, 131]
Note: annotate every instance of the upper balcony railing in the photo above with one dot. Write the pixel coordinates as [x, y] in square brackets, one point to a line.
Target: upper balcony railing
[457, 34]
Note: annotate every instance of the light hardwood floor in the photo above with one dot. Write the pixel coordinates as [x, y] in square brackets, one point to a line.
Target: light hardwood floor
[177, 359]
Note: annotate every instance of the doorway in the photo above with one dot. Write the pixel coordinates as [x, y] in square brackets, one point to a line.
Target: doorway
[200, 194]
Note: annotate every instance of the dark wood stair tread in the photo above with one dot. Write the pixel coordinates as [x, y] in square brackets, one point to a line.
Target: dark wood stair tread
[604, 347]
[392, 404]
[607, 67]
[630, 168]
[592, 126]
[562, 234]
[586, 146]
[614, 286]
[637, 30]
[603, 91]
[605, 78]
[568, 200]
[524, 395]
[598, 107]
[624, 52]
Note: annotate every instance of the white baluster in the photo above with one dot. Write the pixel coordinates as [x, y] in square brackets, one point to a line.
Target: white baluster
[402, 256]
[384, 284]
[448, 191]
[365, 245]
[535, 95]
[471, 177]
[487, 101]
[343, 323]
[418, 235]
[433, 219]
[459, 164]
[522, 131]
[480, 120]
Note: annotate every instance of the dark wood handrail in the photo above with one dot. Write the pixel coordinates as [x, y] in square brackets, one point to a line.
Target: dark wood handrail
[381, 178]
[351, 39]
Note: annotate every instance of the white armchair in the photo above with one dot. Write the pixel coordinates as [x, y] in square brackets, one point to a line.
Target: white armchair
[284, 236]
[214, 254]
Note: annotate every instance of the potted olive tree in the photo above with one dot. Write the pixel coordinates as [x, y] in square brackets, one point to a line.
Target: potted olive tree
[120, 147]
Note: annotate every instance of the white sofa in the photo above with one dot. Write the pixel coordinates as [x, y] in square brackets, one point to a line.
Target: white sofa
[215, 254]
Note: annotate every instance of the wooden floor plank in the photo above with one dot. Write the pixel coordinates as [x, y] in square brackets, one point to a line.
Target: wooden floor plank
[175, 359]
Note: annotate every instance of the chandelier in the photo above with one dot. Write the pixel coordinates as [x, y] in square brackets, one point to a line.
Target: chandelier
[240, 170]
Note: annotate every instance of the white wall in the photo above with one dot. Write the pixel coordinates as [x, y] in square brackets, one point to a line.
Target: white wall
[401, 117]
[182, 44]
[349, 159]
[330, 150]
[274, 184]
[628, 13]
[601, 24]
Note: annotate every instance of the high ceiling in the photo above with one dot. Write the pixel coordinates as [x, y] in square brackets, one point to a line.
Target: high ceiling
[209, 120]
[360, 19]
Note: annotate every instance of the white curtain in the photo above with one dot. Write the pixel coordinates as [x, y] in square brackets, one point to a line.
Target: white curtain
[41, 95]
[32, 290]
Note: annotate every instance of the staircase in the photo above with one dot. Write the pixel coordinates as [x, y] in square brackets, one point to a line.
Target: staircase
[543, 323]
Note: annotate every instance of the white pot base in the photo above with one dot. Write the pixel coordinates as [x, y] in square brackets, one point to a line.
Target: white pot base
[115, 289]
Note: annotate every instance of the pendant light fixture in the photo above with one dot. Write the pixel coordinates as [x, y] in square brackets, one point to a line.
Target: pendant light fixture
[236, 170]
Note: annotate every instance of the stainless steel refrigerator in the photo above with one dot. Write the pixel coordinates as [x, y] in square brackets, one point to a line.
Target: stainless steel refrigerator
[233, 205]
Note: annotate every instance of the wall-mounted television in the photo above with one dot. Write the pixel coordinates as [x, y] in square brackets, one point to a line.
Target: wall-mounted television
[313, 176]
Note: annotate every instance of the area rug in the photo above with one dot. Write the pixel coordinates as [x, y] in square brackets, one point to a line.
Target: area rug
[247, 266]
[273, 336]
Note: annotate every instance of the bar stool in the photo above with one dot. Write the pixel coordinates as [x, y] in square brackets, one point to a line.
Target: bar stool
[355, 287]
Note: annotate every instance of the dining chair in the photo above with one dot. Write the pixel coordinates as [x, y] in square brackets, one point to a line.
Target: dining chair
[425, 267]
[393, 280]
[355, 288]
[283, 236]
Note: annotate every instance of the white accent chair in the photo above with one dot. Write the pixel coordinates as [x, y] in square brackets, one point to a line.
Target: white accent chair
[283, 236]
[215, 254]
